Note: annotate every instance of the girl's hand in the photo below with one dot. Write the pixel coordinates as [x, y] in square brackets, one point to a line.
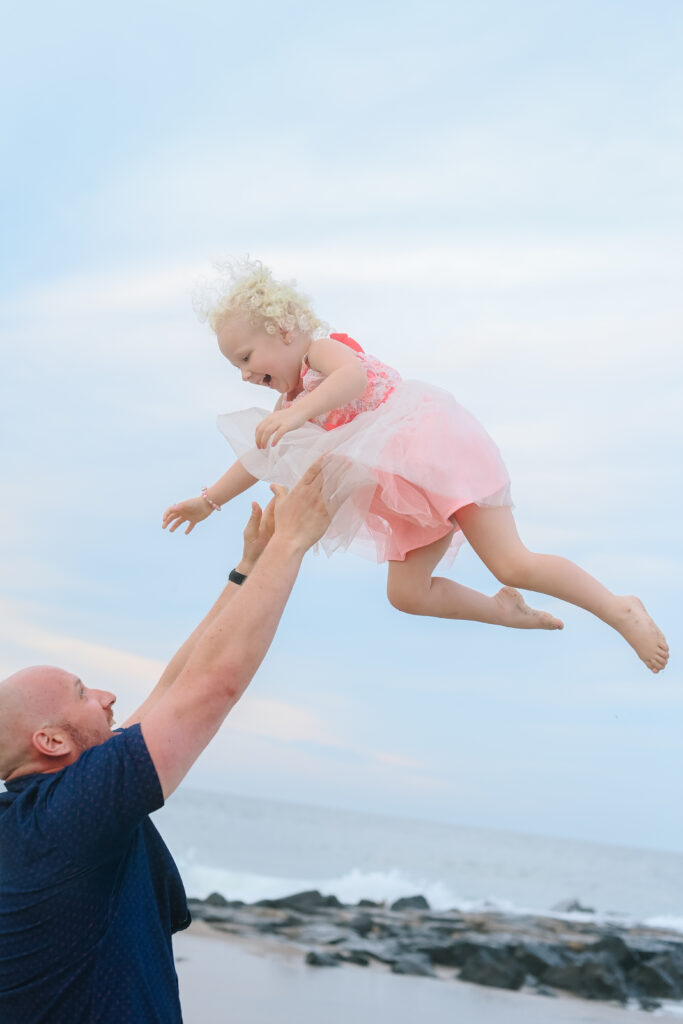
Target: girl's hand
[273, 427]
[191, 512]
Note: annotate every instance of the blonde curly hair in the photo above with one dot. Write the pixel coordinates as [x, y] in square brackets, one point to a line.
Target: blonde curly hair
[247, 288]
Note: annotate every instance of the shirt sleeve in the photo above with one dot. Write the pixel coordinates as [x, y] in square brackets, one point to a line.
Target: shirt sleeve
[94, 804]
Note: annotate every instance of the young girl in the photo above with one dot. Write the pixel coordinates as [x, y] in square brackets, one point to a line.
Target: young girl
[415, 474]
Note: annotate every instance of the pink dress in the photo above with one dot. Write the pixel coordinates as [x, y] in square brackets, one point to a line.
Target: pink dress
[410, 456]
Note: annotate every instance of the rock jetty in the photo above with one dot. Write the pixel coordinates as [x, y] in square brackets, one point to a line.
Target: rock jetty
[595, 960]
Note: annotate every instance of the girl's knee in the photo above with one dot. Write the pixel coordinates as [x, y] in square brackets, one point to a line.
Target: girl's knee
[514, 571]
[402, 596]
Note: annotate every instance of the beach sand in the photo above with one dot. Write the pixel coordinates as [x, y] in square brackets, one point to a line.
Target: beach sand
[225, 978]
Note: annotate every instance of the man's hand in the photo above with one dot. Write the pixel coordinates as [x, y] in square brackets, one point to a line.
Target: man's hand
[274, 426]
[257, 533]
[302, 515]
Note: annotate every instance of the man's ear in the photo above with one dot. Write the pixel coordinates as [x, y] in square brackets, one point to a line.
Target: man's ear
[52, 741]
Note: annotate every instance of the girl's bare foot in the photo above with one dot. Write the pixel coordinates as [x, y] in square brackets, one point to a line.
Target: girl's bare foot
[643, 634]
[516, 612]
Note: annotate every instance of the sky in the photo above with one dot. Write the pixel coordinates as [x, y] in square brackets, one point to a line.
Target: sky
[487, 196]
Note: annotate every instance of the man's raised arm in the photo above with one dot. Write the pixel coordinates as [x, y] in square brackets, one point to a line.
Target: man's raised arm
[257, 533]
[233, 644]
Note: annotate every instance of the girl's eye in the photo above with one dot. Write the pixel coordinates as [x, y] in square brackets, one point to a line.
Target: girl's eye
[245, 359]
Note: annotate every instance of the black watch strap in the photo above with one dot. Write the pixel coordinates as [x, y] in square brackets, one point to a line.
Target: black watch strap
[237, 577]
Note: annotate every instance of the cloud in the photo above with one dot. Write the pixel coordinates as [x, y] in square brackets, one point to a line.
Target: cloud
[505, 263]
[279, 720]
[131, 676]
[100, 666]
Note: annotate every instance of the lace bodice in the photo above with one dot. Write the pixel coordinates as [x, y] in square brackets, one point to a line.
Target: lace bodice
[382, 380]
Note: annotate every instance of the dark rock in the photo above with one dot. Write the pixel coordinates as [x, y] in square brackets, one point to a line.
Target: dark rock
[304, 902]
[266, 927]
[659, 977]
[410, 903]
[644, 947]
[322, 934]
[352, 957]
[543, 990]
[649, 1004]
[362, 924]
[213, 916]
[279, 924]
[447, 952]
[387, 951]
[571, 907]
[618, 949]
[539, 957]
[316, 959]
[368, 903]
[497, 968]
[215, 900]
[591, 975]
[413, 963]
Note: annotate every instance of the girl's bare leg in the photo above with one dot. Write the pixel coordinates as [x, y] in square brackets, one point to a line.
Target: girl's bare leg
[493, 535]
[412, 588]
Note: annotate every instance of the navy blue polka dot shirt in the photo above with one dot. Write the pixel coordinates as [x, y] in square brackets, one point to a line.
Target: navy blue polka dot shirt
[89, 893]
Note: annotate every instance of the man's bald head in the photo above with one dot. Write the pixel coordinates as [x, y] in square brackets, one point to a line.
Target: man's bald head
[47, 718]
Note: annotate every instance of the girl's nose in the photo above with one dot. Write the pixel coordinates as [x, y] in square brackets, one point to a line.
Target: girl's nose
[245, 373]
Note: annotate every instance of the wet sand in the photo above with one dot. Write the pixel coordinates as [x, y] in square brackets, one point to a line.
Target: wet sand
[223, 978]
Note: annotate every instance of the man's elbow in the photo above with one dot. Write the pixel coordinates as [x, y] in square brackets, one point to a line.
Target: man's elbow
[224, 682]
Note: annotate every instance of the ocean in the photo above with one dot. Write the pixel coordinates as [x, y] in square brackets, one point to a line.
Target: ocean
[251, 849]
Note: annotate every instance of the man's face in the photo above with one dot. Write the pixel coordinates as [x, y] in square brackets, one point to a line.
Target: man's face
[49, 716]
[84, 713]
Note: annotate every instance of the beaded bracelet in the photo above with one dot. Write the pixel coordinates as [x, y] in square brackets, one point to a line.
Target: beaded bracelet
[205, 495]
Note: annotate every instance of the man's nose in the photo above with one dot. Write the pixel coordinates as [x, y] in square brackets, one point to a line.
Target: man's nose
[107, 700]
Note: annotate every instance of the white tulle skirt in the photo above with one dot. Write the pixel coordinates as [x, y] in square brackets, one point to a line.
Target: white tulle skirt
[403, 469]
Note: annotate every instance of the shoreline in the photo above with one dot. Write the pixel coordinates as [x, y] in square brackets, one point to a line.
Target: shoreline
[261, 979]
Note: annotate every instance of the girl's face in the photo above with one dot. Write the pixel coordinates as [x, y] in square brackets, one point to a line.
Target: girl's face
[271, 360]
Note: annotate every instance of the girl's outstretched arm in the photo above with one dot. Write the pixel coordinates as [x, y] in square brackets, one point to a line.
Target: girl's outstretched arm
[194, 510]
[345, 379]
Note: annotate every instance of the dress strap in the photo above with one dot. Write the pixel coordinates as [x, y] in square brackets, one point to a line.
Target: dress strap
[345, 340]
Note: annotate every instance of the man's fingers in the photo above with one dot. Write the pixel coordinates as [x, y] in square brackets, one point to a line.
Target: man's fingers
[268, 517]
[314, 470]
[256, 513]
